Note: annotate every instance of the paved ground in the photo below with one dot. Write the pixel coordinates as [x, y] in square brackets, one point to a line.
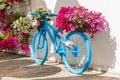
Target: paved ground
[15, 67]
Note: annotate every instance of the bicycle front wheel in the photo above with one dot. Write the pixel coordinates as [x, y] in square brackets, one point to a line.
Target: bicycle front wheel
[78, 54]
[39, 48]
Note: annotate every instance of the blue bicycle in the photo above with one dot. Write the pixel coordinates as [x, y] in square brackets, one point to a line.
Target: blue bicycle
[74, 49]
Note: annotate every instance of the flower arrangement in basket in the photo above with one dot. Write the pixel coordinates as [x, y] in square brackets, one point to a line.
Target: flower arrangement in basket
[39, 20]
[78, 18]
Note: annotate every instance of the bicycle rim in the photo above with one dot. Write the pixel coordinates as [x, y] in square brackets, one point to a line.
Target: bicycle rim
[39, 48]
[77, 59]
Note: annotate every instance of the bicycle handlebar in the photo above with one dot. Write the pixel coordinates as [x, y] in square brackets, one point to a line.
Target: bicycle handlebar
[37, 13]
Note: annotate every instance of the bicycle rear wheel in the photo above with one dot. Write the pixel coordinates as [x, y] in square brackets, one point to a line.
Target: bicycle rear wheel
[78, 54]
[39, 48]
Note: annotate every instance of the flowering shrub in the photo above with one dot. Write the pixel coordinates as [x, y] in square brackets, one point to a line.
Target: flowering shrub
[3, 20]
[15, 1]
[13, 16]
[78, 18]
[11, 38]
[4, 4]
[24, 24]
[9, 41]
[6, 20]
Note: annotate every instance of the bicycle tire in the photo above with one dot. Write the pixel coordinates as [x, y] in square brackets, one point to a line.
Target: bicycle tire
[39, 54]
[74, 61]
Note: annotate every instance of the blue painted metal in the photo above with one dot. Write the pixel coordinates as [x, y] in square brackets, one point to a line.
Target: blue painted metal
[61, 47]
[44, 44]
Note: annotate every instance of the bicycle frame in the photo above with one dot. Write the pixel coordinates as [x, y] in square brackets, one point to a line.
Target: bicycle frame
[61, 47]
[53, 36]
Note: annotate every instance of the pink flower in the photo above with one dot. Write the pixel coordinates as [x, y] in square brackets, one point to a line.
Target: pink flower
[16, 42]
[77, 17]
[17, 0]
[25, 47]
[79, 21]
[72, 28]
[11, 37]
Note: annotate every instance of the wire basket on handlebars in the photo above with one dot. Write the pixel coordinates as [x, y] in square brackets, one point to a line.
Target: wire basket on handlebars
[39, 17]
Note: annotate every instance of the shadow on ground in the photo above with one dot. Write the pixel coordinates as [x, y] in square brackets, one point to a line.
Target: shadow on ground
[90, 75]
[16, 68]
[24, 68]
[82, 78]
[6, 56]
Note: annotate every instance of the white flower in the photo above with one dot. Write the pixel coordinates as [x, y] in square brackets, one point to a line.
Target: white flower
[21, 18]
[30, 16]
[14, 27]
[1, 0]
[8, 7]
[2, 6]
[18, 29]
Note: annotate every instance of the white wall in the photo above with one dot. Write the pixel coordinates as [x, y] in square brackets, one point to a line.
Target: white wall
[106, 44]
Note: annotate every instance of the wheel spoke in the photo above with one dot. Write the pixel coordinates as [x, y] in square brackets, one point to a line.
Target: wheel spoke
[77, 59]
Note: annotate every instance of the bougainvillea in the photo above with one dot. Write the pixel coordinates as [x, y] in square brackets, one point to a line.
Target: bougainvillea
[14, 1]
[3, 20]
[11, 38]
[10, 42]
